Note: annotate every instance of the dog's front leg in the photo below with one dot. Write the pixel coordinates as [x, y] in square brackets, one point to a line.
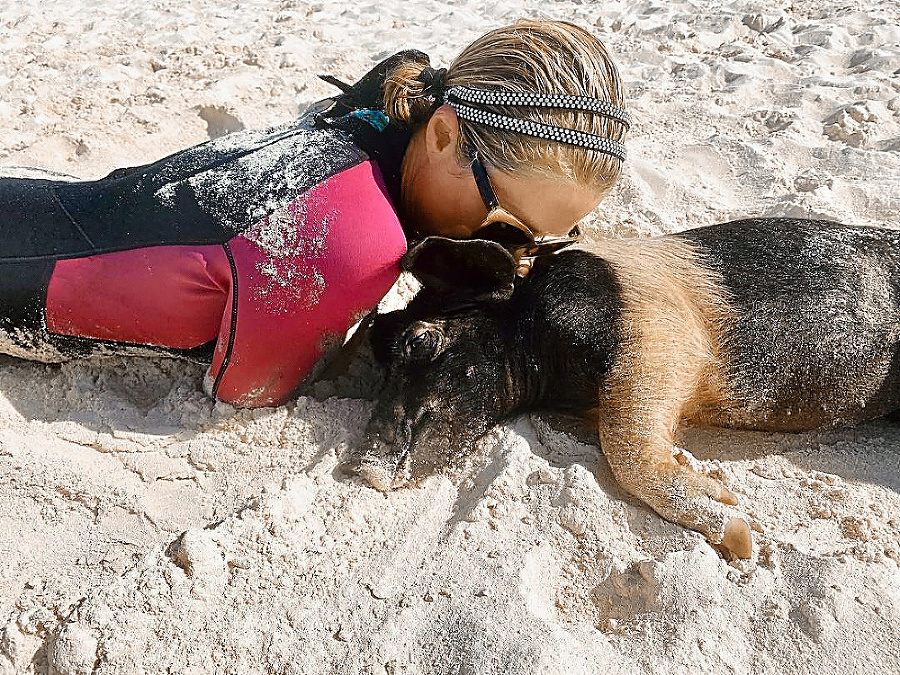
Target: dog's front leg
[638, 445]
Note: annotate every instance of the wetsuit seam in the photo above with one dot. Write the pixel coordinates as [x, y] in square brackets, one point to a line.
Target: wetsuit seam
[77, 225]
[226, 359]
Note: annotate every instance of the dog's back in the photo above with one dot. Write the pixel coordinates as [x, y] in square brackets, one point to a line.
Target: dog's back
[768, 323]
[814, 325]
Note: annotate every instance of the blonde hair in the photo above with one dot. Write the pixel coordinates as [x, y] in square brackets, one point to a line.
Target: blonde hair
[543, 57]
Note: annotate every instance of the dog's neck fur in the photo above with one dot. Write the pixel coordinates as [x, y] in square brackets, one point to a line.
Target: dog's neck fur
[547, 312]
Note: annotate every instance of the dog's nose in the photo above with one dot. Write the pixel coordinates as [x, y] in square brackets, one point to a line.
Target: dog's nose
[375, 462]
[377, 473]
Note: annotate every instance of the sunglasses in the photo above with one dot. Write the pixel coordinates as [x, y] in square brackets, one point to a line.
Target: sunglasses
[504, 228]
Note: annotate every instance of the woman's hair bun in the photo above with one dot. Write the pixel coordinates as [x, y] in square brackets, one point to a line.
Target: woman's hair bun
[411, 92]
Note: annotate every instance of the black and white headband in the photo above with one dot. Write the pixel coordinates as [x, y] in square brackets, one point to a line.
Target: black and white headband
[466, 101]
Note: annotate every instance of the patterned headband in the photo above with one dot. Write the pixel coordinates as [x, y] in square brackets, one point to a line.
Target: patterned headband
[464, 99]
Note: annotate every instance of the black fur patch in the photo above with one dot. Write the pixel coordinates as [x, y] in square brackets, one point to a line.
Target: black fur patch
[817, 307]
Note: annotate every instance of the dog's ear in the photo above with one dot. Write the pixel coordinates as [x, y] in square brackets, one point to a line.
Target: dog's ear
[481, 269]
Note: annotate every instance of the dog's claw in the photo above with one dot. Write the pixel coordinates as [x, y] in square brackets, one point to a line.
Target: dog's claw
[737, 538]
[726, 496]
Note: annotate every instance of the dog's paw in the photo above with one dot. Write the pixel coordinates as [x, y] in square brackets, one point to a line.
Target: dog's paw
[704, 504]
[683, 496]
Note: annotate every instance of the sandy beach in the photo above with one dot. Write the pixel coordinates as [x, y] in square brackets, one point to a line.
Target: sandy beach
[146, 529]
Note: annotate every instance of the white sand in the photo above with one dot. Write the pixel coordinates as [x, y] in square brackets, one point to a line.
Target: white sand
[144, 529]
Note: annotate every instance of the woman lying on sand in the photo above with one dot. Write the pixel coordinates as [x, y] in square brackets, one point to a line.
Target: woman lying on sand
[251, 251]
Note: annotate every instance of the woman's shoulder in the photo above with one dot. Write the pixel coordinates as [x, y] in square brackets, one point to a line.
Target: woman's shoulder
[247, 175]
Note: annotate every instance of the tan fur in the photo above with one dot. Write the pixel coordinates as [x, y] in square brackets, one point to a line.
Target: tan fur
[670, 367]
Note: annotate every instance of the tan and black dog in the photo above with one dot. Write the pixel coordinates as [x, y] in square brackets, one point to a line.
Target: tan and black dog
[770, 324]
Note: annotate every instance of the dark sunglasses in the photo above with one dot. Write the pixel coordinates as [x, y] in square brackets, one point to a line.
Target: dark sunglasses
[505, 229]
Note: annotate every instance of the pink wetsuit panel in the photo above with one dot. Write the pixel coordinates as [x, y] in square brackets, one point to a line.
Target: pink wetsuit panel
[302, 275]
[306, 274]
[169, 296]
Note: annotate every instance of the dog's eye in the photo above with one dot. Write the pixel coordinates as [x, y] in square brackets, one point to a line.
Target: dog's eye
[423, 342]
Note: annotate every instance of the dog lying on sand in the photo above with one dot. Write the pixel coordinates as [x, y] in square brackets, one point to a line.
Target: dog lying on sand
[769, 324]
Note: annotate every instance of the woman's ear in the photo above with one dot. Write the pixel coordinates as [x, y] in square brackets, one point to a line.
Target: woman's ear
[479, 269]
[442, 133]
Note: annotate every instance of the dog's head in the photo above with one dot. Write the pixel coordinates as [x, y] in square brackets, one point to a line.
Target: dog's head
[448, 373]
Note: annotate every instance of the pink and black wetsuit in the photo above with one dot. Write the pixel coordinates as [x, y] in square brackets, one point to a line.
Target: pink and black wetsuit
[248, 252]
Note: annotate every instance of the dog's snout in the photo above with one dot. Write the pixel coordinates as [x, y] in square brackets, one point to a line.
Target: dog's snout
[378, 458]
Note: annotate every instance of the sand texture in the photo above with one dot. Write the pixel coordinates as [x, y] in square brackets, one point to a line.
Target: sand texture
[146, 529]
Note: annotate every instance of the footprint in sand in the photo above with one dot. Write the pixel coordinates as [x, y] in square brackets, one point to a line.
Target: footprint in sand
[851, 124]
